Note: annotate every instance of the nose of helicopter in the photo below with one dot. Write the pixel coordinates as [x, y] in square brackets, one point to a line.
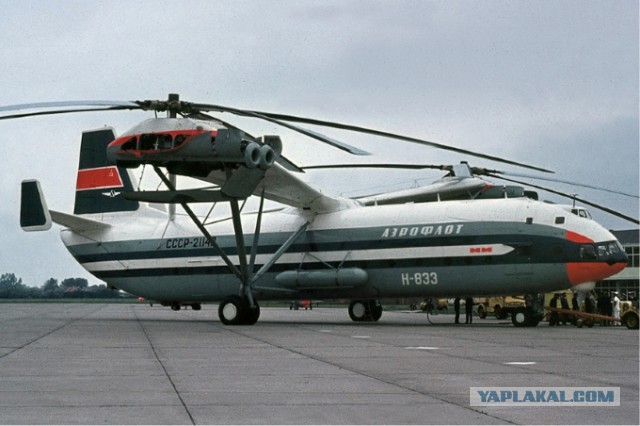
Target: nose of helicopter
[598, 261]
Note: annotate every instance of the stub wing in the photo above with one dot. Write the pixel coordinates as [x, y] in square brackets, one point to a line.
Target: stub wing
[286, 187]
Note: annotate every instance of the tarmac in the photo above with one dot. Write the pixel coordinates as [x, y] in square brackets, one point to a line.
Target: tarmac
[136, 364]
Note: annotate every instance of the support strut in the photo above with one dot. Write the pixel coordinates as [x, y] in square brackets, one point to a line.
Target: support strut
[242, 308]
[200, 226]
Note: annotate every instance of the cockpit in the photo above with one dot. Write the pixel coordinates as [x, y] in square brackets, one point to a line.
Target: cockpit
[582, 212]
[603, 251]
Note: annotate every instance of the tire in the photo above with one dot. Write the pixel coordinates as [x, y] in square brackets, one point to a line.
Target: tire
[482, 313]
[630, 319]
[357, 310]
[233, 310]
[252, 315]
[519, 317]
[375, 309]
[500, 313]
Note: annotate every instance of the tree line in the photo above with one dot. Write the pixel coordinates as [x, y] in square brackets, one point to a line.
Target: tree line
[12, 287]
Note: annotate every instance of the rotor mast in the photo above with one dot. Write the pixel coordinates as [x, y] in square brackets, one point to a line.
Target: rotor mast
[171, 113]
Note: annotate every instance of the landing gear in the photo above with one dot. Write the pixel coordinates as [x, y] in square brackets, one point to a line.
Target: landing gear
[365, 310]
[235, 310]
[241, 182]
[530, 315]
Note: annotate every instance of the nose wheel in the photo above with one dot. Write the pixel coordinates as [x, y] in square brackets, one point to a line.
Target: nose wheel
[530, 315]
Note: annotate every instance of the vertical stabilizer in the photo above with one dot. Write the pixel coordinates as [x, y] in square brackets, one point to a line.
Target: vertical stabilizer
[100, 186]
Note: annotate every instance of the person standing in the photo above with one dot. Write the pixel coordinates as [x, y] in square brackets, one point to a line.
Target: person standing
[590, 303]
[554, 319]
[615, 301]
[564, 304]
[468, 309]
[602, 305]
[574, 302]
[456, 308]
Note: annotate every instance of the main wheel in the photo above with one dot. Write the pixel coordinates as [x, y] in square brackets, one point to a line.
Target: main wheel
[233, 310]
[375, 308]
[365, 310]
[252, 315]
[357, 310]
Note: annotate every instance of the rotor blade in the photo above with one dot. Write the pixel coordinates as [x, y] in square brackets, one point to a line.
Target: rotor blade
[572, 197]
[67, 111]
[380, 166]
[246, 113]
[480, 171]
[395, 136]
[66, 104]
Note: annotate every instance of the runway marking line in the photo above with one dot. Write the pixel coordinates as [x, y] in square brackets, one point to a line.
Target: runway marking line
[422, 348]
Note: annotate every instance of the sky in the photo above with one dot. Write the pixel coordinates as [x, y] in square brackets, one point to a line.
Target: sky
[548, 83]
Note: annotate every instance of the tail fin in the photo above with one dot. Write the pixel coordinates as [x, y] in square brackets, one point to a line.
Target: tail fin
[100, 186]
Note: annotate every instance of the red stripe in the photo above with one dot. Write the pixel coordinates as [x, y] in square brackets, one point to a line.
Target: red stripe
[100, 178]
[574, 237]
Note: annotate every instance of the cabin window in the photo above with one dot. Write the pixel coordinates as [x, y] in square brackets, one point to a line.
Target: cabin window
[559, 220]
[529, 220]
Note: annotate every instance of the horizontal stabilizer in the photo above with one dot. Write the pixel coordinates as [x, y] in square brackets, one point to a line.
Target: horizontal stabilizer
[34, 215]
[77, 223]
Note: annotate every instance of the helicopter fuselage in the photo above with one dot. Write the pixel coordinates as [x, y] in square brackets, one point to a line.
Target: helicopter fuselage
[452, 248]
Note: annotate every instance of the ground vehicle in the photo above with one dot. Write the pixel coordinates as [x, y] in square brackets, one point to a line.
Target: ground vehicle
[430, 303]
[501, 307]
[297, 304]
[630, 318]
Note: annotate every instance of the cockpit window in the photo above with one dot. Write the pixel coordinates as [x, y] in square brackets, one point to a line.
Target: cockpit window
[581, 212]
[130, 144]
[587, 251]
[600, 250]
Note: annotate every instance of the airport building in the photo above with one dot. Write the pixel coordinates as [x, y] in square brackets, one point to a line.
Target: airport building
[626, 282]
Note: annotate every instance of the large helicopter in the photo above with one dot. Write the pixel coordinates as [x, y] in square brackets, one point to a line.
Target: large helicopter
[446, 239]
